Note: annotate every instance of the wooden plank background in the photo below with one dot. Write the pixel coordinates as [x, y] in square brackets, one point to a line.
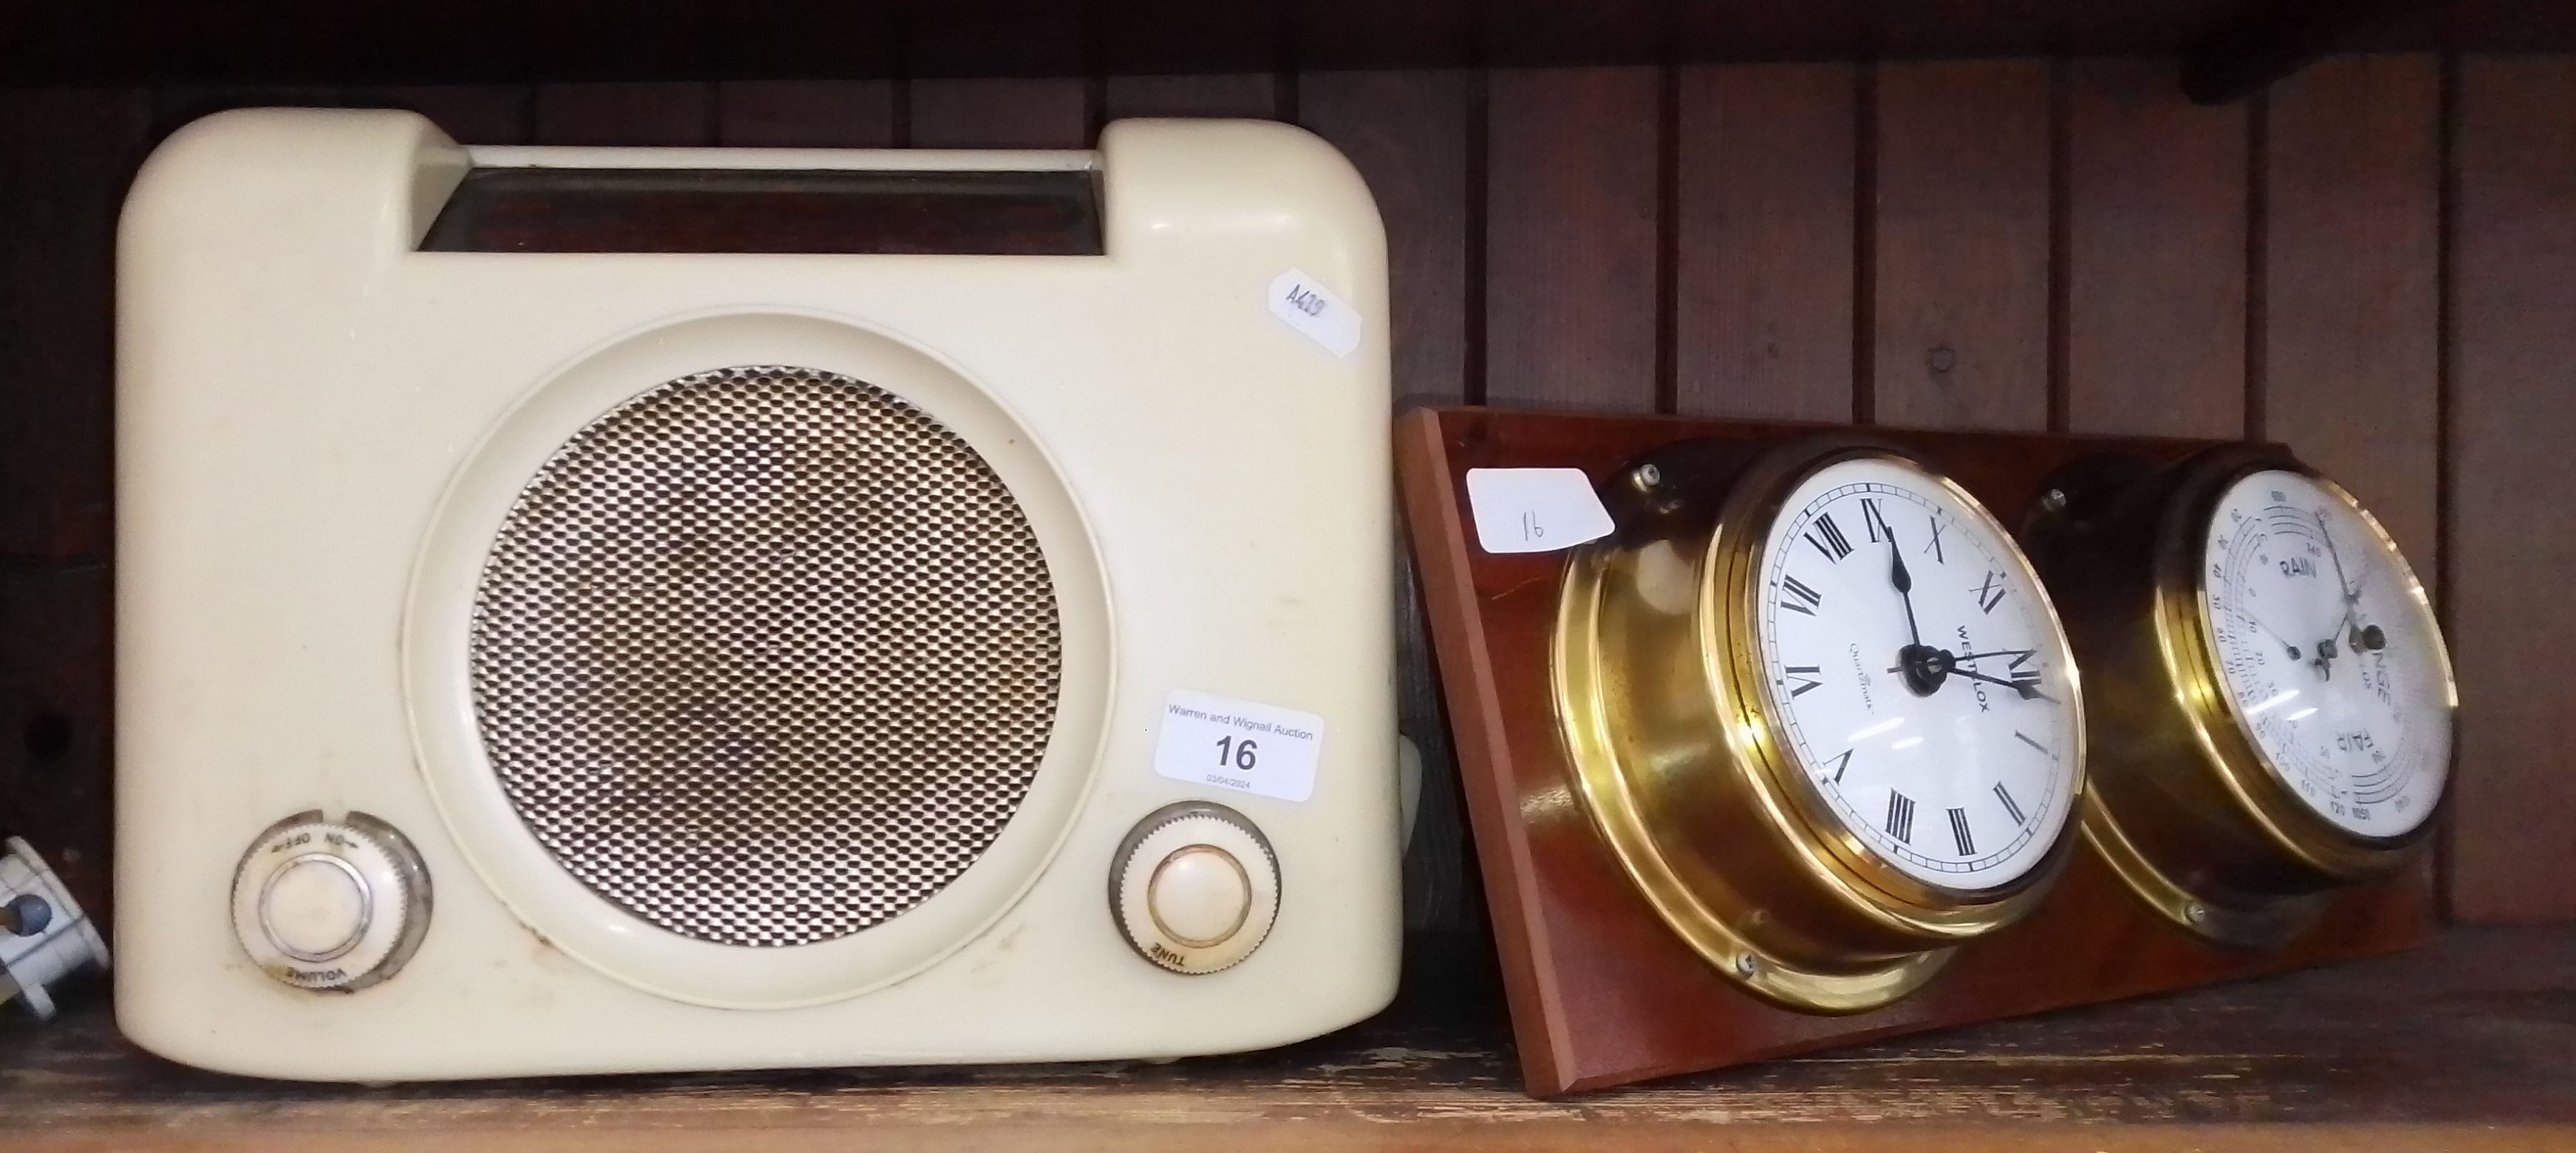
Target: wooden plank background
[2509, 455]
[2371, 262]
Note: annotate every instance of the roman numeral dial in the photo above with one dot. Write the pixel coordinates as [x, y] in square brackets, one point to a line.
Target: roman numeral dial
[1829, 539]
[1900, 817]
[1798, 598]
[1990, 591]
[1918, 673]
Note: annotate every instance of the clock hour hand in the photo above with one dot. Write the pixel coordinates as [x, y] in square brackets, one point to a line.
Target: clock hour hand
[1921, 664]
[1898, 576]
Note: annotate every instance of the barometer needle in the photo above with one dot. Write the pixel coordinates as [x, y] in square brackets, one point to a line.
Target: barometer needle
[2348, 626]
[2351, 595]
[2247, 615]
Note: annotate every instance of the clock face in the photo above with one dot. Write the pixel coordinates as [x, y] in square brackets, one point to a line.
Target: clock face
[1918, 674]
[2328, 653]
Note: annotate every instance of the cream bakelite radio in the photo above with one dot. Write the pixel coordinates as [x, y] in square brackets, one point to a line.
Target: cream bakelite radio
[623, 645]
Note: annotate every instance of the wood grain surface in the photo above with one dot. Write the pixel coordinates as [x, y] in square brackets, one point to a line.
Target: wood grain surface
[1763, 324]
[57, 703]
[468, 113]
[1571, 240]
[65, 157]
[1961, 276]
[1000, 112]
[626, 114]
[1036, 1130]
[2460, 1046]
[141, 41]
[807, 114]
[1253, 94]
[2155, 262]
[2513, 461]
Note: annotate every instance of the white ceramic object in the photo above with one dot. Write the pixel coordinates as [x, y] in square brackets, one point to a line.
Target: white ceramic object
[320, 428]
[45, 937]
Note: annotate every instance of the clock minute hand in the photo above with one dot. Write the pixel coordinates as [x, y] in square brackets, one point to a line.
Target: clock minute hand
[2028, 689]
[1995, 653]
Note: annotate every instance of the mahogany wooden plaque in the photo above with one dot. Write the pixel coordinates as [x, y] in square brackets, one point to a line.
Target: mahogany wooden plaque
[1601, 992]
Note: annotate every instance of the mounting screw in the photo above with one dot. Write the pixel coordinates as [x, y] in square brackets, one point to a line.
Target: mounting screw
[1645, 477]
[26, 915]
[1941, 359]
[1746, 964]
[2054, 500]
[2195, 912]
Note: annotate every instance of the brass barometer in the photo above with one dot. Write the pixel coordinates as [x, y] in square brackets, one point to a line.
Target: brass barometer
[2282, 722]
[1821, 710]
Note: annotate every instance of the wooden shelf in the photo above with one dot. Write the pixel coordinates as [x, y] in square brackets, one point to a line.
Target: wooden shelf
[2464, 1045]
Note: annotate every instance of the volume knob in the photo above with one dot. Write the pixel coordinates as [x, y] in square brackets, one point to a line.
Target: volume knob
[1194, 887]
[330, 905]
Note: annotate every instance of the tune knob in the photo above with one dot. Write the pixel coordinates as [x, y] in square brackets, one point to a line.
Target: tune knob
[1194, 887]
[330, 905]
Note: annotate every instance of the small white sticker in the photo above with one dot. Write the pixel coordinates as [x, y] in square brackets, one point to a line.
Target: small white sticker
[1311, 308]
[1534, 509]
[1239, 745]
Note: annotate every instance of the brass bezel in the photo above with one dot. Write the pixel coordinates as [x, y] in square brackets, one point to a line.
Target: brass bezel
[2269, 862]
[1683, 767]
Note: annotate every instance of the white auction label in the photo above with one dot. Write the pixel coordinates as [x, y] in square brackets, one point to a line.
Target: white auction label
[1240, 745]
[1534, 509]
[1309, 307]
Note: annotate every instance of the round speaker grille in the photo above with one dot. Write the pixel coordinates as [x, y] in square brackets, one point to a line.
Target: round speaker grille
[765, 656]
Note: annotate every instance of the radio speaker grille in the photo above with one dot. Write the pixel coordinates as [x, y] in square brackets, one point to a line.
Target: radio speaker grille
[765, 656]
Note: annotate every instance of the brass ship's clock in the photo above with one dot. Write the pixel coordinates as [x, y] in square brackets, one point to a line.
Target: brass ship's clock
[1821, 711]
[2280, 721]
